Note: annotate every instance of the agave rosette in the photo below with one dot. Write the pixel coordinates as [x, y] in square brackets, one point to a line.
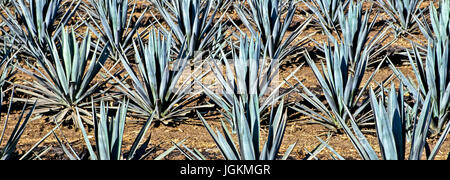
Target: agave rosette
[65, 79]
[109, 134]
[109, 128]
[248, 125]
[355, 32]
[433, 79]
[401, 12]
[116, 26]
[392, 116]
[193, 23]
[264, 19]
[34, 20]
[249, 73]
[326, 11]
[156, 80]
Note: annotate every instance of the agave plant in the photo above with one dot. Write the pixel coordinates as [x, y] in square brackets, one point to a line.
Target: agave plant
[156, 85]
[433, 78]
[65, 80]
[34, 20]
[326, 11]
[391, 123]
[117, 27]
[401, 12]
[248, 73]
[355, 27]
[247, 118]
[109, 133]
[340, 81]
[192, 23]
[264, 20]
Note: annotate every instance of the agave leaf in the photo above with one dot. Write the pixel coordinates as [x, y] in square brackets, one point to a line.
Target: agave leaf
[91, 151]
[40, 141]
[167, 152]
[421, 130]
[70, 154]
[385, 128]
[139, 138]
[439, 143]
[289, 151]
[331, 149]
[229, 150]
[17, 132]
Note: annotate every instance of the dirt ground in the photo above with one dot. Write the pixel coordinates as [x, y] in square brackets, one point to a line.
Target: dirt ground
[305, 135]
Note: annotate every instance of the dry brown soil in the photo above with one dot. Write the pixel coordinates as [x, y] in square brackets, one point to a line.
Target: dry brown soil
[196, 135]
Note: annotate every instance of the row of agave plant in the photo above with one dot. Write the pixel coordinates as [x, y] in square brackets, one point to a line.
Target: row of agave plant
[94, 63]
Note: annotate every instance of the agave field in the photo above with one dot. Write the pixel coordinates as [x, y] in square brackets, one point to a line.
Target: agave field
[224, 80]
